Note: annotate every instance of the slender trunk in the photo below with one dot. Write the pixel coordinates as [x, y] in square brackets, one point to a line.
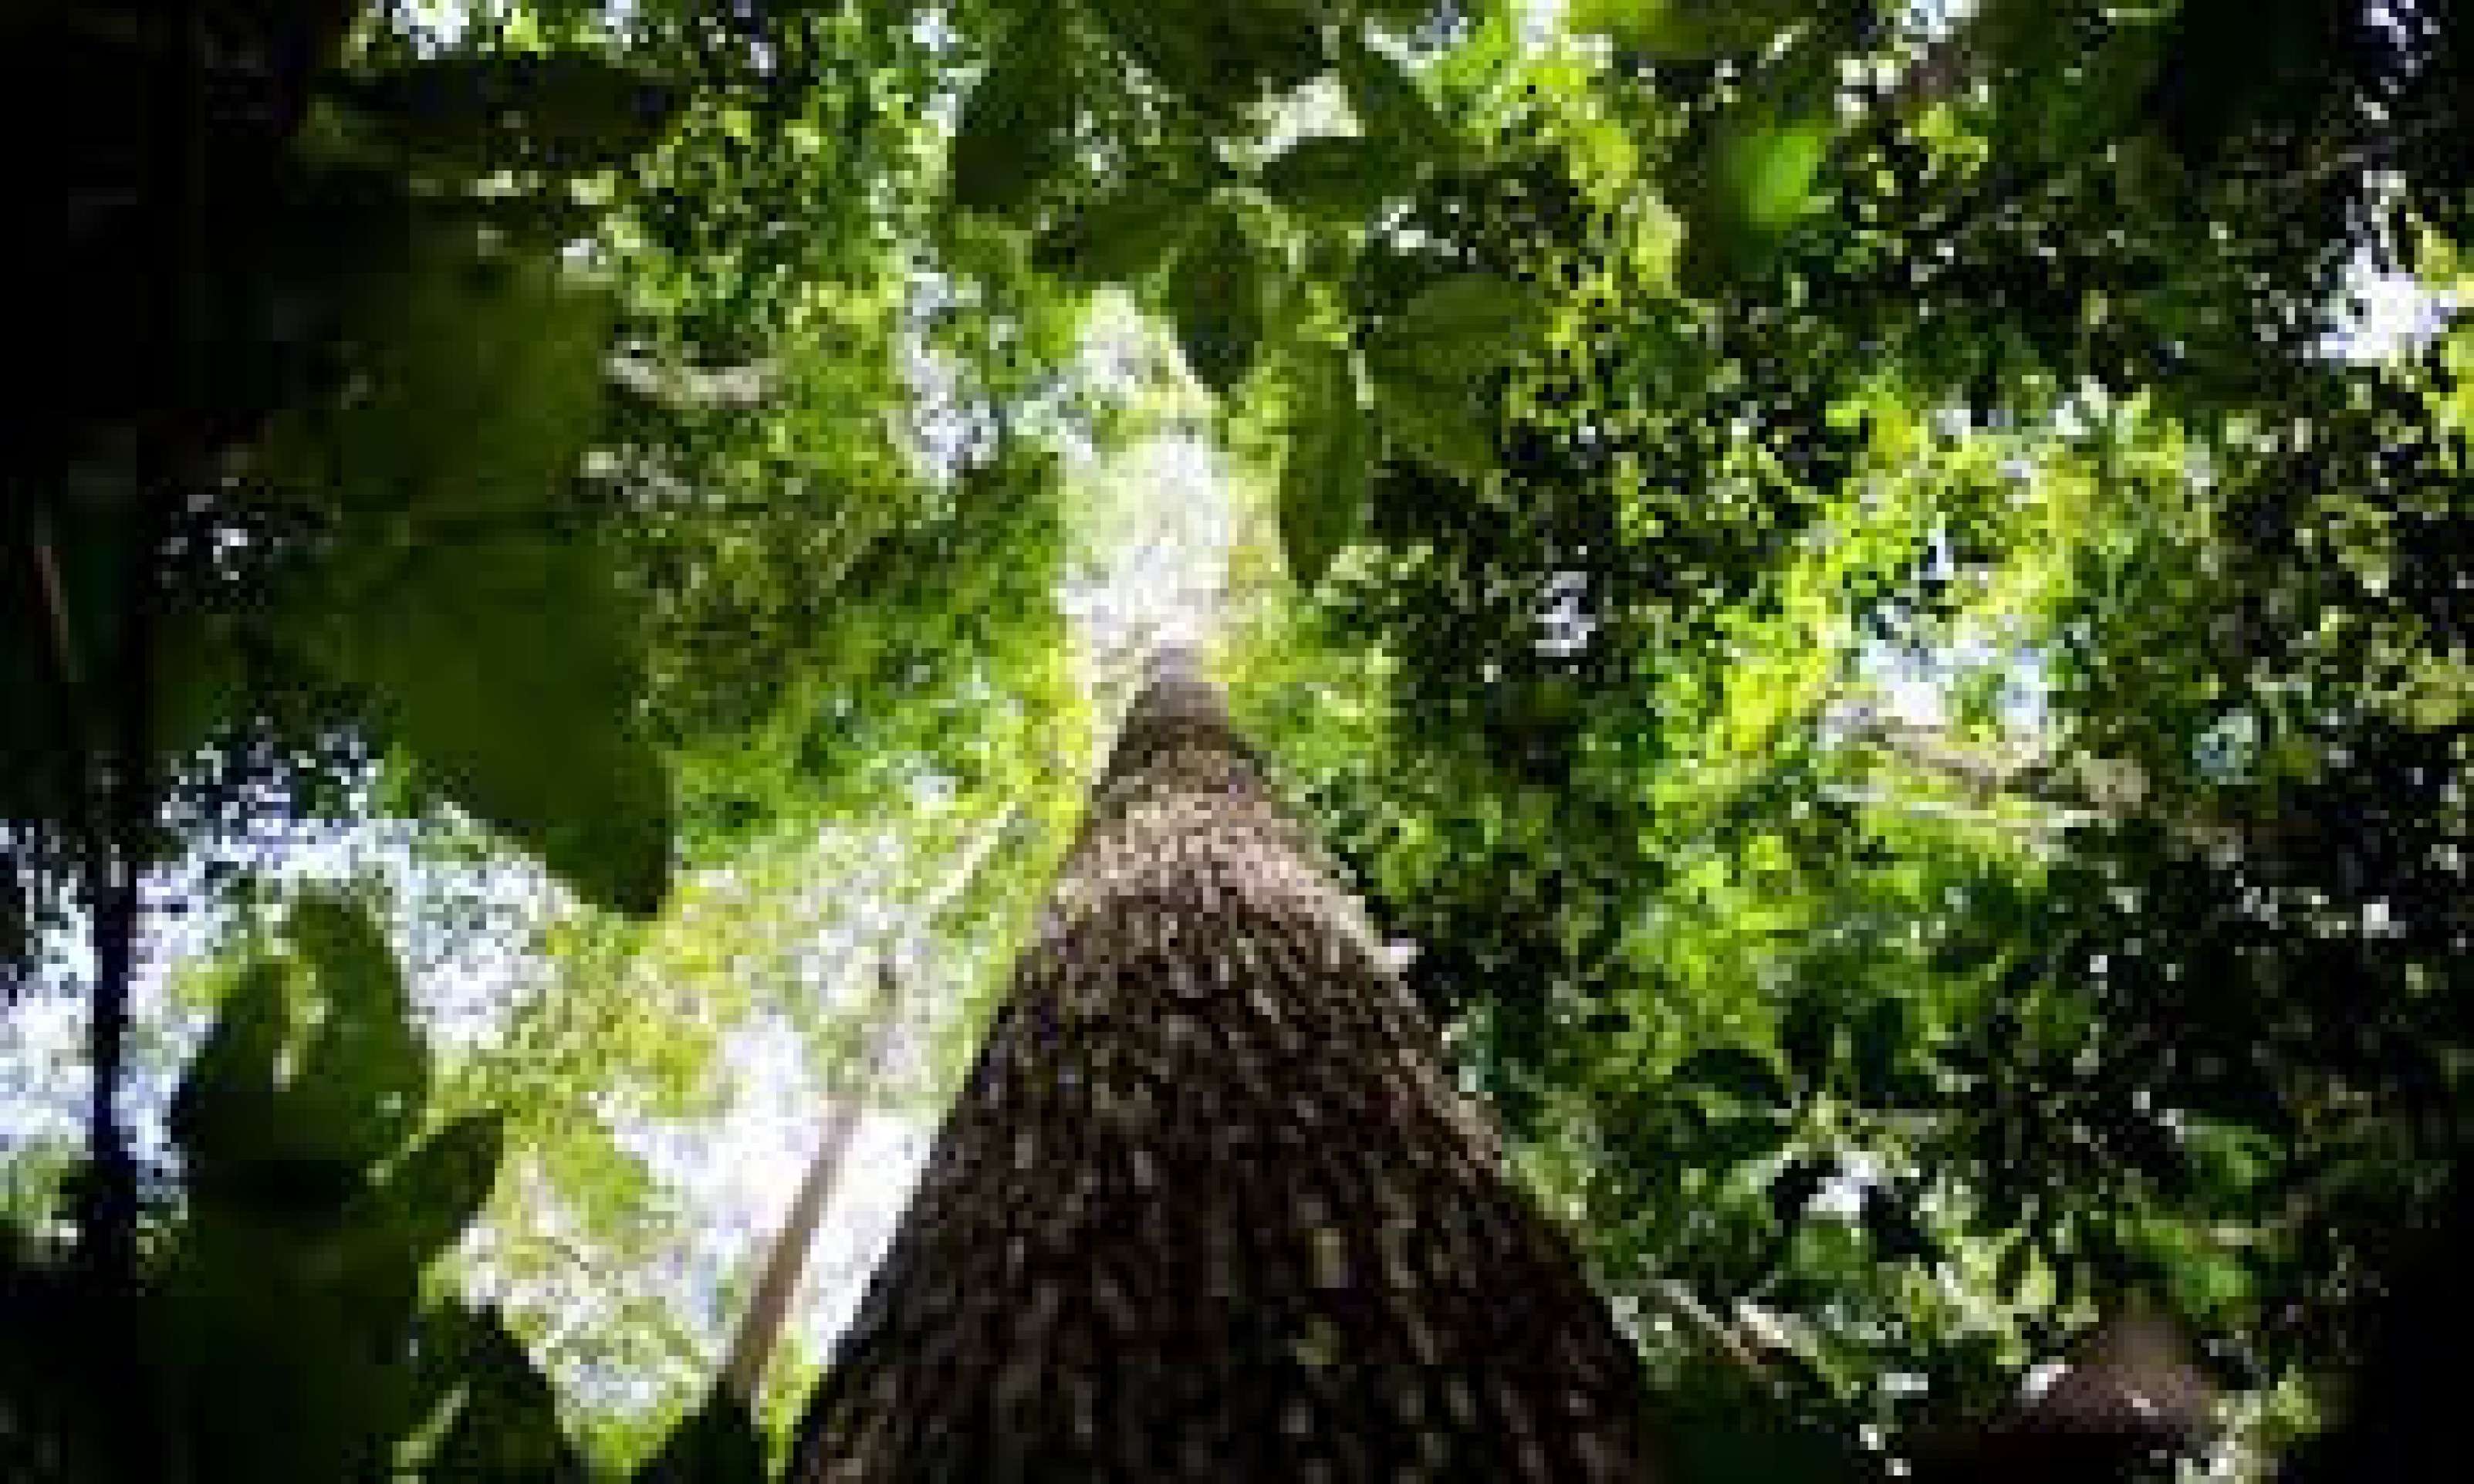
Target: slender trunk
[769, 1308]
[1209, 1207]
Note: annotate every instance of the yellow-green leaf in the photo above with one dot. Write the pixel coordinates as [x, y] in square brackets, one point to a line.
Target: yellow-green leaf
[1682, 30]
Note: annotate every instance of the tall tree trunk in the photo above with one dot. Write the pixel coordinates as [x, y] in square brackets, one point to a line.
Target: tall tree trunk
[1207, 1206]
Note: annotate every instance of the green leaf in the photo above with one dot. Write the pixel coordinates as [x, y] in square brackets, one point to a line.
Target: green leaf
[1333, 179]
[225, 1110]
[486, 635]
[1330, 458]
[1120, 237]
[1753, 185]
[1439, 418]
[431, 1195]
[1735, 1141]
[505, 1425]
[504, 671]
[1216, 54]
[1390, 106]
[1738, 1073]
[1424, 361]
[358, 1093]
[1016, 128]
[1685, 30]
[1464, 326]
[1215, 296]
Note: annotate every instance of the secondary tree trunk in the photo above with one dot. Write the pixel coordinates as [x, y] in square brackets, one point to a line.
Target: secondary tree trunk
[1207, 1206]
[769, 1308]
[785, 1260]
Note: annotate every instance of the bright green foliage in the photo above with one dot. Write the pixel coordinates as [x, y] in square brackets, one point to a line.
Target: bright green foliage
[1921, 1037]
[1678, 29]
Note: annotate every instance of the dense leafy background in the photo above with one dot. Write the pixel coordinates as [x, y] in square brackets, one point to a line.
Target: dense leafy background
[1859, 581]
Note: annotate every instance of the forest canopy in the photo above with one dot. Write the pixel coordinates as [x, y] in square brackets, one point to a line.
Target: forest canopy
[1871, 596]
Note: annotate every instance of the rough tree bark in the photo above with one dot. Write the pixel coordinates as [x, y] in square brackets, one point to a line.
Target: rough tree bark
[1207, 1206]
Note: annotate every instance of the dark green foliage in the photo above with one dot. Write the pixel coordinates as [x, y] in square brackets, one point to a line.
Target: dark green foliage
[1427, 362]
[504, 1423]
[1728, 1430]
[1335, 179]
[561, 111]
[1737, 1073]
[283, 1331]
[1388, 104]
[718, 1444]
[1122, 238]
[1331, 453]
[316, 1203]
[1218, 55]
[384, 389]
[1215, 295]
[1017, 127]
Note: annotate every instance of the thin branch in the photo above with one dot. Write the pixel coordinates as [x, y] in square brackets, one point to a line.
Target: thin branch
[1720, 1336]
[769, 1308]
[47, 570]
